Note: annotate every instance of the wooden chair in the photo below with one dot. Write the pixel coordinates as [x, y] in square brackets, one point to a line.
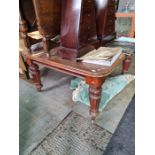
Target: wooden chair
[43, 16]
[28, 24]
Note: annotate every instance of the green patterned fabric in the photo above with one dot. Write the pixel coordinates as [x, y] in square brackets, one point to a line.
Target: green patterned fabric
[111, 87]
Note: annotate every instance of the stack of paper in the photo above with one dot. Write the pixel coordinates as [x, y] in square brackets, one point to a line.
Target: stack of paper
[103, 56]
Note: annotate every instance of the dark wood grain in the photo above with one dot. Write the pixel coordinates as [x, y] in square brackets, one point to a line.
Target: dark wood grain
[105, 20]
[48, 15]
[28, 14]
[83, 69]
[83, 23]
[77, 25]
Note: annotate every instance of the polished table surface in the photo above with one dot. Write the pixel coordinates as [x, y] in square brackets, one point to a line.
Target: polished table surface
[81, 69]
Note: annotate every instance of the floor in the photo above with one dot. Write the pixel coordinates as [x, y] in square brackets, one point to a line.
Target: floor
[123, 140]
[41, 112]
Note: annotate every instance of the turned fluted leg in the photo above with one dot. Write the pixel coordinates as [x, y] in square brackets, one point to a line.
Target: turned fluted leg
[126, 63]
[95, 88]
[36, 76]
[94, 97]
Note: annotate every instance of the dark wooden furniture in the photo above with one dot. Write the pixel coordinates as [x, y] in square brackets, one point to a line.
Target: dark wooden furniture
[85, 23]
[43, 16]
[27, 13]
[23, 67]
[27, 22]
[94, 75]
[48, 13]
[105, 20]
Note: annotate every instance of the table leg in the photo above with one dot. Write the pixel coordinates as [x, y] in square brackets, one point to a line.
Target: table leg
[95, 88]
[126, 63]
[36, 75]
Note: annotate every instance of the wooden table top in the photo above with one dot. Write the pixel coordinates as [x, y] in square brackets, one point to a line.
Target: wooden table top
[79, 69]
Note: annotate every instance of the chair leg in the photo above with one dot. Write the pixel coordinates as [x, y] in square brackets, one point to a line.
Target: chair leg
[126, 63]
[27, 71]
[36, 76]
[46, 45]
[95, 89]
[24, 30]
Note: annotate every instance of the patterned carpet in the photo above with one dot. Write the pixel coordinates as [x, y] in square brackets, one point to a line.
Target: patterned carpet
[74, 136]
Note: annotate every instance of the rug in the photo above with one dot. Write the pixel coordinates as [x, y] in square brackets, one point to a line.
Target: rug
[74, 136]
[111, 87]
[123, 140]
